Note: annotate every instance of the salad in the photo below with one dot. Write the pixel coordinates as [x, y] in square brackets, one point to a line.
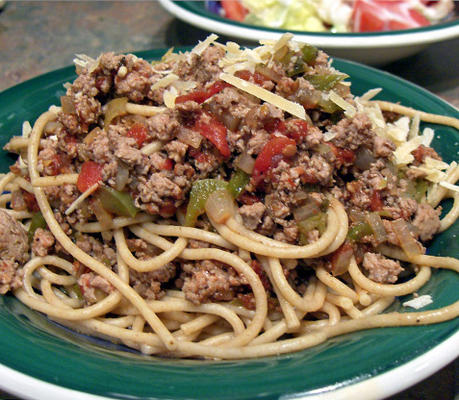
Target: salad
[335, 15]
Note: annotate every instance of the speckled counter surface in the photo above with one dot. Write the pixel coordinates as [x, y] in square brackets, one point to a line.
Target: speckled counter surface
[37, 37]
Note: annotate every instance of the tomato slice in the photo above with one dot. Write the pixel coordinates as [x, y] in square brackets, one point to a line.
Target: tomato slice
[200, 96]
[385, 15]
[214, 131]
[234, 10]
[90, 174]
[271, 154]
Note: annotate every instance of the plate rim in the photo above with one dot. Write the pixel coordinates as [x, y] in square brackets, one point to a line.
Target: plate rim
[422, 363]
[382, 385]
[403, 38]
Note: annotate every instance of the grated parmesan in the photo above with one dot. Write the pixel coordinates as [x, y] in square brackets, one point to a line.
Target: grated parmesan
[26, 129]
[169, 97]
[349, 109]
[450, 186]
[163, 82]
[419, 302]
[289, 106]
[201, 46]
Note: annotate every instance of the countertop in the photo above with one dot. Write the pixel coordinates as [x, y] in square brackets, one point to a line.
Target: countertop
[37, 37]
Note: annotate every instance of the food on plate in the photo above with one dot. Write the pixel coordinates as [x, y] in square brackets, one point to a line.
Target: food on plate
[335, 15]
[223, 203]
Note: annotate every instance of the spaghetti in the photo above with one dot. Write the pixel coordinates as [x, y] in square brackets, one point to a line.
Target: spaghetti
[198, 217]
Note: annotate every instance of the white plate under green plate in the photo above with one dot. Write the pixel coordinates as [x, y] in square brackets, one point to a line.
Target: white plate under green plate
[369, 48]
[42, 360]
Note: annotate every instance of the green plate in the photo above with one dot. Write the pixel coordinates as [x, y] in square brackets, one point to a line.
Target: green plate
[43, 360]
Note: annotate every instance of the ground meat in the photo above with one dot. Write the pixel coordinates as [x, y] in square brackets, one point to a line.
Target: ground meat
[13, 240]
[352, 133]
[380, 268]
[135, 83]
[421, 152]
[210, 281]
[382, 147]
[203, 68]
[163, 126]
[43, 240]
[90, 283]
[275, 207]
[148, 284]
[315, 169]
[288, 233]
[10, 276]
[257, 141]
[251, 214]
[157, 188]
[101, 251]
[98, 149]
[176, 150]
[125, 148]
[427, 220]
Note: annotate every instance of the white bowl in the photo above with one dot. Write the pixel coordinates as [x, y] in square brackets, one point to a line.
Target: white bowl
[369, 48]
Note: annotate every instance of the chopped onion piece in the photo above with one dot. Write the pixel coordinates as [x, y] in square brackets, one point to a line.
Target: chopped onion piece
[364, 158]
[377, 226]
[122, 176]
[308, 210]
[67, 105]
[115, 108]
[190, 137]
[245, 162]
[220, 206]
[408, 243]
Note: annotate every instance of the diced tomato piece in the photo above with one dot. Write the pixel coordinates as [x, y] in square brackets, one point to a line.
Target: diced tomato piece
[297, 129]
[139, 133]
[272, 125]
[385, 15]
[421, 152]
[256, 266]
[376, 201]
[167, 209]
[199, 156]
[168, 164]
[344, 156]
[234, 10]
[200, 96]
[90, 174]
[54, 165]
[31, 201]
[257, 77]
[248, 198]
[271, 154]
[213, 130]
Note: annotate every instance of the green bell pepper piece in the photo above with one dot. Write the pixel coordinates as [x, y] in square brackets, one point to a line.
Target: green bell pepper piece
[238, 182]
[37, 221]
[116, 202]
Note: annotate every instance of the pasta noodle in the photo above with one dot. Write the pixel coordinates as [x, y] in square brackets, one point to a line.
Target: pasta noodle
[156, 249]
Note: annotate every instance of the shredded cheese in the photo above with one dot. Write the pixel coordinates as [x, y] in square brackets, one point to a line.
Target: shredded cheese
[163, 82]
[201, 46]
[419, 302]
[169, 97]
[370, 94]
[26, 129]
[82, 197]
[289, 106]
[450, 186]
[349, 109]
